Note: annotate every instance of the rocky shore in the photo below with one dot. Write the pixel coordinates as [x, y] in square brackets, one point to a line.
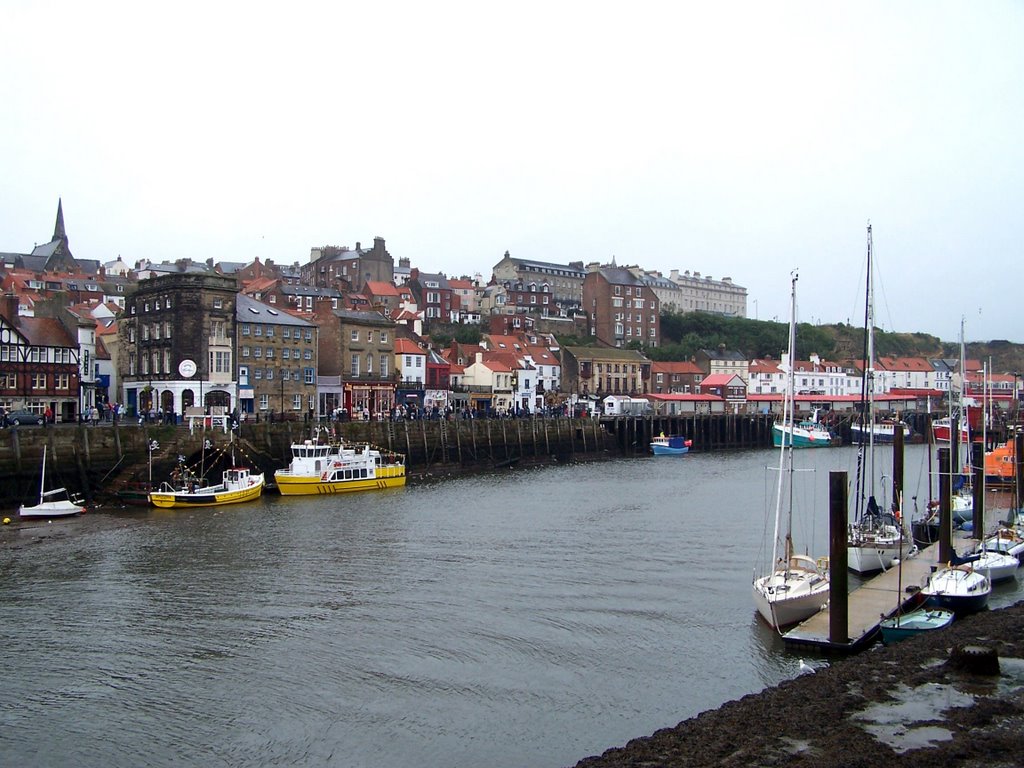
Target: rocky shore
[928, 701]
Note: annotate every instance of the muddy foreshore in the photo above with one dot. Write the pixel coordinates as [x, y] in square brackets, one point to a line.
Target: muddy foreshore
[911, 704]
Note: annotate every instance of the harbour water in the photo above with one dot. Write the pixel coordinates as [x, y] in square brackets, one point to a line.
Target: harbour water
[529, 618]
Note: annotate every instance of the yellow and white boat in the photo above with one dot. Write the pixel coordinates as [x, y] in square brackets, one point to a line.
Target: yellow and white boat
[237, 485]
[324, 468]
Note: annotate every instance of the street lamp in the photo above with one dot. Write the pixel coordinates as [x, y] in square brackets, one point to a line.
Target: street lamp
[153, 446]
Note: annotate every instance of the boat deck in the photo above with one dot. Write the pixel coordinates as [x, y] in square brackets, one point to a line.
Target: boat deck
[871, 602]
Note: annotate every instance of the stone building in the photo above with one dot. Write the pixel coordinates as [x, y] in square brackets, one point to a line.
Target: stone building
[333, 266]
[602, 371]
[563, 283]
[176, 337]
[358, 347]
[277, 361]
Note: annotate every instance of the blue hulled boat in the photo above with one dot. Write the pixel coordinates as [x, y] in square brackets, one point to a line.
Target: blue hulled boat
[897, 628]
[672, 445]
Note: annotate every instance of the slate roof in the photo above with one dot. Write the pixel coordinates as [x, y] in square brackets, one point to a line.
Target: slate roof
[248, 310]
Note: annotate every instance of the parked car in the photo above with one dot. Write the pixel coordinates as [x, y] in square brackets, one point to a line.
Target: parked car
[15, 418]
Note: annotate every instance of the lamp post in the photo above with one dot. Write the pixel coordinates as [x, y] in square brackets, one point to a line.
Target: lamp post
[153, 446]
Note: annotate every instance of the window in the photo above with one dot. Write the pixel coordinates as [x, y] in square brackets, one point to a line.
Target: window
[307, 354]
[257, 374]
[286, 333]
[419, 361]
[264, 401]
[270, 332]
[156, 362]
[369, 363]
[167, 360]
[257, 330]
[245, 351]
[383, 337]
[270, 374]
[220, 362]
[131, 363]
[369, 337]
[245, 329]
[156, 331]
[145, 332]
[286, 353]
[355, 335]
[167, 302]
[167, 330]
[385, 366]
[257, 352]
[296, 402]
[308, 375]
[354, 366]
[270, 353]
[38, 381]
[285, 374]
[131, 335]
[309, 334]
[218, 304]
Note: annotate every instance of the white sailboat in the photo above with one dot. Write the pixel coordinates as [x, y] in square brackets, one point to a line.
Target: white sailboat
[49, 504]
[876, 538]
[796, 586]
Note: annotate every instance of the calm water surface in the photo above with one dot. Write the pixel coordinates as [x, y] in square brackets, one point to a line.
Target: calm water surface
[523, 619]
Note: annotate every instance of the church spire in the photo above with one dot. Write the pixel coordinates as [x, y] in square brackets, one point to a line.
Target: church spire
[58, 228]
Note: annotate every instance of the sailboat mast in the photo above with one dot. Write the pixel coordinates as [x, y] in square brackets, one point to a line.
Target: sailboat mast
[870, 316]
[42, 477]
[785, 450]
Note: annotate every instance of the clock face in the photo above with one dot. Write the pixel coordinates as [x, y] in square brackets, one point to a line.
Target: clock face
[187, 368]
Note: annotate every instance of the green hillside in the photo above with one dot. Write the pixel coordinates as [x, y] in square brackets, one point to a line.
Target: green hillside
[683, 334]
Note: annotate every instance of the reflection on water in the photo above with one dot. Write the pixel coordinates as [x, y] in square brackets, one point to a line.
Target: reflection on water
[524, 619]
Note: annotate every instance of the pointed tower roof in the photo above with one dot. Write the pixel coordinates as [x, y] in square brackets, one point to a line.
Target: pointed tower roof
[58, 228]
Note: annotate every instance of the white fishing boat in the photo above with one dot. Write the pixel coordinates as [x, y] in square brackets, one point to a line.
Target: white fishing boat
[877, 537]
[796, 586]
[323, 468]
[51, 503]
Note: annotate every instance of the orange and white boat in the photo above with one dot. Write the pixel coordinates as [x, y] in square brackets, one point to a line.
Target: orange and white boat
[1000, 464]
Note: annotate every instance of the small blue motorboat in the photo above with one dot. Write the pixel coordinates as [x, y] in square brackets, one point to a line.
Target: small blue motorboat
[672, 445]
[900, 627]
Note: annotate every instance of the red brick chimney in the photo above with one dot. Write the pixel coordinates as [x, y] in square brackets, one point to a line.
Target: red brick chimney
[9, 308]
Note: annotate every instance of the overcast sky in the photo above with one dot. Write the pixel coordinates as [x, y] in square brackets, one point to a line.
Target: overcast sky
[731, 139]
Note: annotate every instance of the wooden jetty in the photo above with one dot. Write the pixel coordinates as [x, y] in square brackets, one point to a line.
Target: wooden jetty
[871, 602]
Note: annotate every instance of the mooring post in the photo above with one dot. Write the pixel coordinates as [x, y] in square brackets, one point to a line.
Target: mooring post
[945, 528]
[838, 618]
[978, 515]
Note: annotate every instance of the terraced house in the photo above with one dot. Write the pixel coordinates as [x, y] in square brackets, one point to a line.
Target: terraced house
[277, 361]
